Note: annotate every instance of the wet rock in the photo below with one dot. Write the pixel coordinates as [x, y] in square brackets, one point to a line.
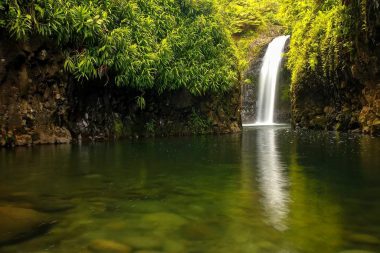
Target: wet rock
[62, 135]
[18, 224]
[46, 204]
[376, 122]
[319, 122]
[23, 140]
[57, 135]
[52, 206]
[356, 131]
[108, 246]
[182, 99]
[42, 56]
[234, 127]
[44, 138]
[328, 110]
[369, 116]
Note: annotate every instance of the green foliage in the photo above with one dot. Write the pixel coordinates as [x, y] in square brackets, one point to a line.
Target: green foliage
[248, 16]
[140, 101]
[322, 37]
[198, 124]
[150, 126]
[118, 127]
[246, 19]
[144, 44]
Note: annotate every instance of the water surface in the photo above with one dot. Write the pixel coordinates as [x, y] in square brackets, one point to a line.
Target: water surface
[268, 190]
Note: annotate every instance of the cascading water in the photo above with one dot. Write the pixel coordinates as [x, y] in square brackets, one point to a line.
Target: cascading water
[268, 81]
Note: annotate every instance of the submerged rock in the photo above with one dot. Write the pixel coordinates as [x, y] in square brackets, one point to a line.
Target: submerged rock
[108, 246]
[364, 238]
[18, 224]
[198, 231]
[30, 200]
[53, 205]
[174, 246]
[165, 220]
[144, 242]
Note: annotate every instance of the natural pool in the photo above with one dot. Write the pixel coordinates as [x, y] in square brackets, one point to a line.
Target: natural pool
[269, 189]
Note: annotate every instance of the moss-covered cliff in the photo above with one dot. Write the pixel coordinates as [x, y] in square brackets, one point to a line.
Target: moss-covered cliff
[108, 69]
[97, 70]
[335, 63]
[41, 104]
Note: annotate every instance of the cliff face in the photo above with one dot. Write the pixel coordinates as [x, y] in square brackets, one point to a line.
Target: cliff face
[351, 105]
[352, 101]
[100, 113]
[41, 104]
[33, 103]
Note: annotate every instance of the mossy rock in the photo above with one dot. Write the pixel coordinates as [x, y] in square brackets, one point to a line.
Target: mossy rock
[18, 224]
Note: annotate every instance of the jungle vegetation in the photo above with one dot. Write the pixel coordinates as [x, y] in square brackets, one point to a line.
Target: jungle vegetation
[326, 36]
[144, 44]
[200, 45]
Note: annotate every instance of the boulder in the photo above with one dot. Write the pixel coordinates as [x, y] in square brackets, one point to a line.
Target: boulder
[165, 220]
[108, 246]
[23, 140]
[18, 224]
[144, 242]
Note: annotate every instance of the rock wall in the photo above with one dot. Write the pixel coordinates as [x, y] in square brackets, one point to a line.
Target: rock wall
[100, 113]
[32, 94]
[352, 103]
[41, 104]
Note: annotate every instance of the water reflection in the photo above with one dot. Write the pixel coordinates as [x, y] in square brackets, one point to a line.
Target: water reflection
[272, 180]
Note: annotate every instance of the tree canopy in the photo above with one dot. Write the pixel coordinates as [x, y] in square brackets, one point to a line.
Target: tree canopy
[144, 44]
[200, 45]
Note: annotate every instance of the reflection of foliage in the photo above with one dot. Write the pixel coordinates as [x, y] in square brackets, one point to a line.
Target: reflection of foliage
[310, 195]
[198, 124]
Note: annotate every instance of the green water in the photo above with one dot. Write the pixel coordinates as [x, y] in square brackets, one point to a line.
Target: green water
[266, 190]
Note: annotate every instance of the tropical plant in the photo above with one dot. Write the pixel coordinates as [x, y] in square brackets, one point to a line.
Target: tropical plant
[323, 37]
[143, 44]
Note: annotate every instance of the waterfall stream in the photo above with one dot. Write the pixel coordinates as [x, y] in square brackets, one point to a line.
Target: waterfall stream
[268, 81]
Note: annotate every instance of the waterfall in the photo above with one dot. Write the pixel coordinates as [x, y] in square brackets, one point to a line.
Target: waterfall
[268, 81]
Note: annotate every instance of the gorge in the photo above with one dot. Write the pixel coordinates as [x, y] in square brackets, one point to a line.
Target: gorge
[189, 126]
